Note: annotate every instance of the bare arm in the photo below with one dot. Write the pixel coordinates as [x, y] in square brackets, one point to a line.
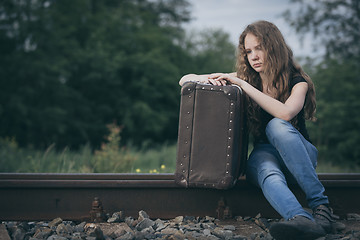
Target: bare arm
[194, 78]
[285, 111]
[203, 78]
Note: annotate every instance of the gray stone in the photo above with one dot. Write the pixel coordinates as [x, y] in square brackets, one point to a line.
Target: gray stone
[212, 237]
[209, 219]
[221, 233]
[145, 223]
[78, 236]
[115, 230]
[229, 227]
[159, 225]
[192, 227]
[356, 234]
[126, 236]
[208, 225]
[189, 219]
[207, 232]
[149, 233]
[148, 230]
[353, 217]
[80, 227]
[178, 219]
[42, 233]
[3, 233]
[333, 237]
[116, 217]
[55, 222]
[129, 221]
[142, 215]
[170, 231]
[239, 237]
[139, 236]
[90, 238]
[193, 235]
[64, 230]
[56, 237]
[339, 226]
[18, 234]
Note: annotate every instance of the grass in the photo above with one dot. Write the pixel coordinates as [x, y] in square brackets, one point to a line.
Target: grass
[111, 158]
[329, 167]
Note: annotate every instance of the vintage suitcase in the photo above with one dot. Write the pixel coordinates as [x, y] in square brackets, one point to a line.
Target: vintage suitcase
[212, 136]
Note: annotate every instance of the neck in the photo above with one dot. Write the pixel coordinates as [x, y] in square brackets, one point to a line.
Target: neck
[264, 78]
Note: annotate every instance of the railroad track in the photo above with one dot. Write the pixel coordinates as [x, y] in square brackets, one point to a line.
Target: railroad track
[71, 196]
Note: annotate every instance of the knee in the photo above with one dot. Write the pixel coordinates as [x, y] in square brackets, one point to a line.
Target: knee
[260, 171]
[272, 176]
[279, 129]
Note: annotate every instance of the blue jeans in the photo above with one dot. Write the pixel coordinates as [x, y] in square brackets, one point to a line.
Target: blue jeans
[288, 158]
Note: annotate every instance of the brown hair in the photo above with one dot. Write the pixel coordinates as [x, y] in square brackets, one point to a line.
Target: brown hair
[279, 65]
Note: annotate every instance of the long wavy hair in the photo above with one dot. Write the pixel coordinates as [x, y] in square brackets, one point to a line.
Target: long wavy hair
[279, 65]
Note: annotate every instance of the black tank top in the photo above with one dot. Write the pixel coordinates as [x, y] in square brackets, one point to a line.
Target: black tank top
[266, 117]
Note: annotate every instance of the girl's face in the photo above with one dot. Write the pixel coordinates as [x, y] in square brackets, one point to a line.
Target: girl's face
[254, 52]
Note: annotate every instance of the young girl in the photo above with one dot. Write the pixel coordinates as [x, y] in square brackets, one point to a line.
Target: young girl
[281, 96]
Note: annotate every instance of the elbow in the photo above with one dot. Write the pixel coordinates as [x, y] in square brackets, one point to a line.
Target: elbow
[286, 116]
[184, 79]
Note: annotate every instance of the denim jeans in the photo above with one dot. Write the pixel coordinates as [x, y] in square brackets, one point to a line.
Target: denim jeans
[289, 158]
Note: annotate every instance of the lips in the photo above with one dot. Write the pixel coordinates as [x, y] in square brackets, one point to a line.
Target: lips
[257, 65]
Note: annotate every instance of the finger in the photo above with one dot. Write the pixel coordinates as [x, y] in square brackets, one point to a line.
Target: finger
[223, 82]
[213, 82]
[217, 83]
[215, 75]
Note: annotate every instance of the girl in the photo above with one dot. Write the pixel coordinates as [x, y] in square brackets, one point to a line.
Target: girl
[281, 96]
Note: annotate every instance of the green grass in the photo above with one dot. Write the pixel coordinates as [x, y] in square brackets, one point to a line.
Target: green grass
[329, 167]
[161, 159]
[111, 158]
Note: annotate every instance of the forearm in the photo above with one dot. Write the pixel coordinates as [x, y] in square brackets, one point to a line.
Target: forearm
[202, 78]
[269, 104]
[276, 108]
[194, 78]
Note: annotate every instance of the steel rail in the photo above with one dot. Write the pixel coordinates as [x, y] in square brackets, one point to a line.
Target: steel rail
[45, 196]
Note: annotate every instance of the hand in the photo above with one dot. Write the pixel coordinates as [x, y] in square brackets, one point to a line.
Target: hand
[215, 79]
[224, 79]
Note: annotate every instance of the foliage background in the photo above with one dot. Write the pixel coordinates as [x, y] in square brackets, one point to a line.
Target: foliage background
[70, 69]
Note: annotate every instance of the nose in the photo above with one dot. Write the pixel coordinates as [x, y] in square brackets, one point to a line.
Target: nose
[254, 56]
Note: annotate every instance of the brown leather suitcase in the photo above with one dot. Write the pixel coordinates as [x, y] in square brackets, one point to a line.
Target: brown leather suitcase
[212, 136]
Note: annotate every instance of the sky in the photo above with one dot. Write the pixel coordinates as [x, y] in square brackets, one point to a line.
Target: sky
[234, 15]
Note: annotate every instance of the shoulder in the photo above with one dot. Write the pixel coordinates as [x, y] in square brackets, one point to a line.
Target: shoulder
[295, 80]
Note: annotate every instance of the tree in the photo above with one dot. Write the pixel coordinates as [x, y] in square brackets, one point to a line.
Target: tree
[334, 24]
[70, 68]
[211, 51]
[338, 112]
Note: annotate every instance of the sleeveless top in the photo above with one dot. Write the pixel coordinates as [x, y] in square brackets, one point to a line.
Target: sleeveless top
[266, 117]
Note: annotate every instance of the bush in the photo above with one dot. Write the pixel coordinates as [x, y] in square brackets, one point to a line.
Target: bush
[111, 157]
